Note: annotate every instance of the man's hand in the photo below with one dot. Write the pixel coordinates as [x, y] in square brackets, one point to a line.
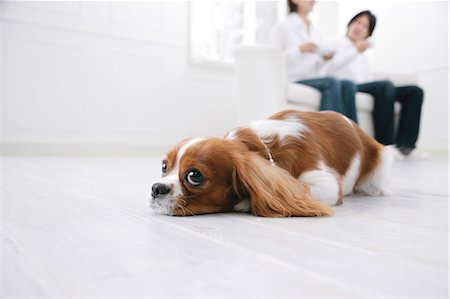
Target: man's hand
[328, 56]
[362, 45]
[308, 48]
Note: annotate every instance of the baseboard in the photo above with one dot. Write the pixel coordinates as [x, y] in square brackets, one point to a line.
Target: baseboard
[10, 149]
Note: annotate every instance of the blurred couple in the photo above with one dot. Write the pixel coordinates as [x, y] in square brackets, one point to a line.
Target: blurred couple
[340, 68]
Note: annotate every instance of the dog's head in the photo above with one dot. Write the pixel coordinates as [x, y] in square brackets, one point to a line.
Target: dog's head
[201, 176]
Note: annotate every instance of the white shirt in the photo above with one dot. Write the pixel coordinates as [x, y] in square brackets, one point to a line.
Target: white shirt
[347, 63]
[289, 35]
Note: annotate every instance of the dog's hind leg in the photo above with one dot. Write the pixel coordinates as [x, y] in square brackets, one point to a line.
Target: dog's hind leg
[325, 184]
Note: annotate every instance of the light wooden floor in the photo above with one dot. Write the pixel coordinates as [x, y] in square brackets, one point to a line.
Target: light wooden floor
[81, 227]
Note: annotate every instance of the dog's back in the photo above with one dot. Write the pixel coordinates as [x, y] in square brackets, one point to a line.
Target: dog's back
[330, 152]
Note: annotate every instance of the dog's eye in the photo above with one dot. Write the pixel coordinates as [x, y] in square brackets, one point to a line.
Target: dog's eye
[164, 166]
[194, 178]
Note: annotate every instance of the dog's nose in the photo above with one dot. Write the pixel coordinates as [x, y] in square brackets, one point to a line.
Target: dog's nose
[159, 189]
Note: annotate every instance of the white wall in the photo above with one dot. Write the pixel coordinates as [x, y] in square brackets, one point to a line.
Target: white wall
[119, 72]
[106, 72]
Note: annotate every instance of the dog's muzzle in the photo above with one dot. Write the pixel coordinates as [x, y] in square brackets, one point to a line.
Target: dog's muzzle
[159, 190]
[160, 200]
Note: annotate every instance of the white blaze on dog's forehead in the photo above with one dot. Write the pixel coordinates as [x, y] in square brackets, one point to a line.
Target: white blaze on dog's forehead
[291, 126]
[184, 147]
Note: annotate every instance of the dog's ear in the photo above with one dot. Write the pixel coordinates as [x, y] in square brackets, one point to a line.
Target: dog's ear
[272, 191]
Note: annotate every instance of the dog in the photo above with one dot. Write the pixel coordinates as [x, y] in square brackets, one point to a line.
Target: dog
[293, 163]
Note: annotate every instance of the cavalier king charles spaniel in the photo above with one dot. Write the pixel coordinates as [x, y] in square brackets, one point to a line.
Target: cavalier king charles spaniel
[292, 164]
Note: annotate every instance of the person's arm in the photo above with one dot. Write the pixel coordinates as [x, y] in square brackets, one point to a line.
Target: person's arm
[291, 54]
[345, 55]
[340, 59]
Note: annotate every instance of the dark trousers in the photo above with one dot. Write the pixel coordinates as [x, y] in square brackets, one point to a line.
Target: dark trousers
[385, 95]
[337, 95]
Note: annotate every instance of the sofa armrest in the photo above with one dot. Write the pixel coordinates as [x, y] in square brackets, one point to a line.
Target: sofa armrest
[261, 82]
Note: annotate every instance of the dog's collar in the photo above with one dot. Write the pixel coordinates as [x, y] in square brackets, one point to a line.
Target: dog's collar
[268, 152]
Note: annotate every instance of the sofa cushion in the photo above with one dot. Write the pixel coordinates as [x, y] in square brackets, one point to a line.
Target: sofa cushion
[303, 95]
[364, 102]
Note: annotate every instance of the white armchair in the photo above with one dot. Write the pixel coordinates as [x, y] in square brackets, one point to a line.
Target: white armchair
[263, 88]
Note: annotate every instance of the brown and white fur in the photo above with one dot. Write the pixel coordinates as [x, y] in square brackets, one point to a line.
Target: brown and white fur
[291, 164]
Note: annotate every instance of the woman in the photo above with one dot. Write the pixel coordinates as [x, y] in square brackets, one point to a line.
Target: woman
[300, 42]
[350, 62]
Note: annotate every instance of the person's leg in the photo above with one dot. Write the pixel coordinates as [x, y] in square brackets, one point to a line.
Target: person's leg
[348, 91]
[411, 98]
[383, 111]
[330, 89]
